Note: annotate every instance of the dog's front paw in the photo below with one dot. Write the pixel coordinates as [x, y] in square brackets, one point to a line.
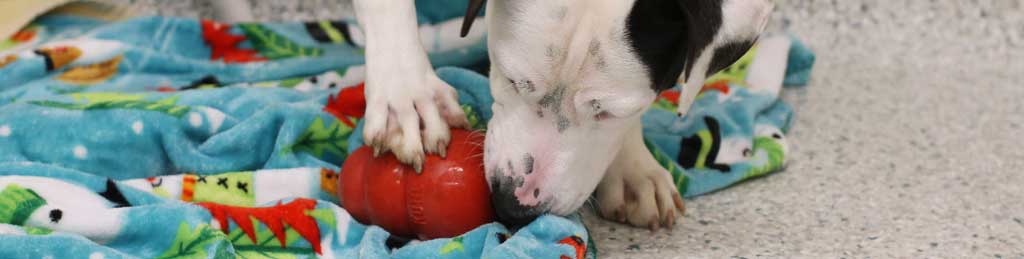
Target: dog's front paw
[643, 198]
[408, 114]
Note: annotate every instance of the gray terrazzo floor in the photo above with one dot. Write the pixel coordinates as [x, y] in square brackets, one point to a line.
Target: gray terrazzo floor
[905, 144]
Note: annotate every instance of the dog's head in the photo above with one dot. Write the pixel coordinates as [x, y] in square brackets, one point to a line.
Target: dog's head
[570, 77]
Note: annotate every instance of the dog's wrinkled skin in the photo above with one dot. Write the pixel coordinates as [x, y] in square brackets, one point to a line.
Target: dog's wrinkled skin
[570, 79]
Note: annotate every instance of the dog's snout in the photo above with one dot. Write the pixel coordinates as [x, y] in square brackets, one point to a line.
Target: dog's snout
[509, 209]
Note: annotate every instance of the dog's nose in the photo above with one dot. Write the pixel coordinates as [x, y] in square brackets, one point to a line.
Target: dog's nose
[508, 208]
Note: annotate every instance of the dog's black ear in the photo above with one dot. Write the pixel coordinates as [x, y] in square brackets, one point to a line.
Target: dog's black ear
[471, 11]
[670, 34]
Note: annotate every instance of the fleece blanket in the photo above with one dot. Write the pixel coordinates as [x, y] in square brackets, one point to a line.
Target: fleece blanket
[163, 137]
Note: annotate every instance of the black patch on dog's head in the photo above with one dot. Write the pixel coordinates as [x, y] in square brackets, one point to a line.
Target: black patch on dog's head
[669, 35]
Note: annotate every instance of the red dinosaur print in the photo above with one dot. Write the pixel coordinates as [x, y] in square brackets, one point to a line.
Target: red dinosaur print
[24, 35]
[671, 96]
[292, 214]
[577, 243]
[223, 44]
[721, 86]
[350, 103]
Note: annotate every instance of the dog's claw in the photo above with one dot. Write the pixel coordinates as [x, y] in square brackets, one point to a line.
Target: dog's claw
[670, 219]
[376, 151]
[418, 166]
[442, 149]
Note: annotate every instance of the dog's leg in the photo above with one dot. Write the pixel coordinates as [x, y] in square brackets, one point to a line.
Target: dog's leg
[401, 88]
[637, 190]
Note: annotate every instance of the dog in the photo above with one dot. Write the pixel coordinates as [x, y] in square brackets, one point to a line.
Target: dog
[570, 80]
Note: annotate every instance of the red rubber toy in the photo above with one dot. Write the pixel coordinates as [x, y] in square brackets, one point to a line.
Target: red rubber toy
[449, 198]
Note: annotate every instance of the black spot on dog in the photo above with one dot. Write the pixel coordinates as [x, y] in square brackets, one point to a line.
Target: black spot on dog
[528, 85]
[563, 123]
[536, 193]
[56, 215]
[594, 50]
[553, 102]
[528, 163]
[601, 63]
[553, 53]
[776, 136]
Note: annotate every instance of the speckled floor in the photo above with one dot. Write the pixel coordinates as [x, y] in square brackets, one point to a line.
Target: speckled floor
[906, 143]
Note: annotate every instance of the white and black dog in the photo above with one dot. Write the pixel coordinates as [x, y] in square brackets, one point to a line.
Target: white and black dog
[570, 80]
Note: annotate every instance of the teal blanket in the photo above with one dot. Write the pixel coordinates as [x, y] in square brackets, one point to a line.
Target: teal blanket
[162, 137]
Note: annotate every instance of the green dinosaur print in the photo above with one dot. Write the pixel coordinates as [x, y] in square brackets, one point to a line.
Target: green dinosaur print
[106, 101]
[17, 204]
[474, 119]
[773, 149]
[454, 245]
[228, 188]
[37, 231]
[270, 232]
[266, 245]
[193, 243]
[320, 138]
[323, 215]
[275, 46]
